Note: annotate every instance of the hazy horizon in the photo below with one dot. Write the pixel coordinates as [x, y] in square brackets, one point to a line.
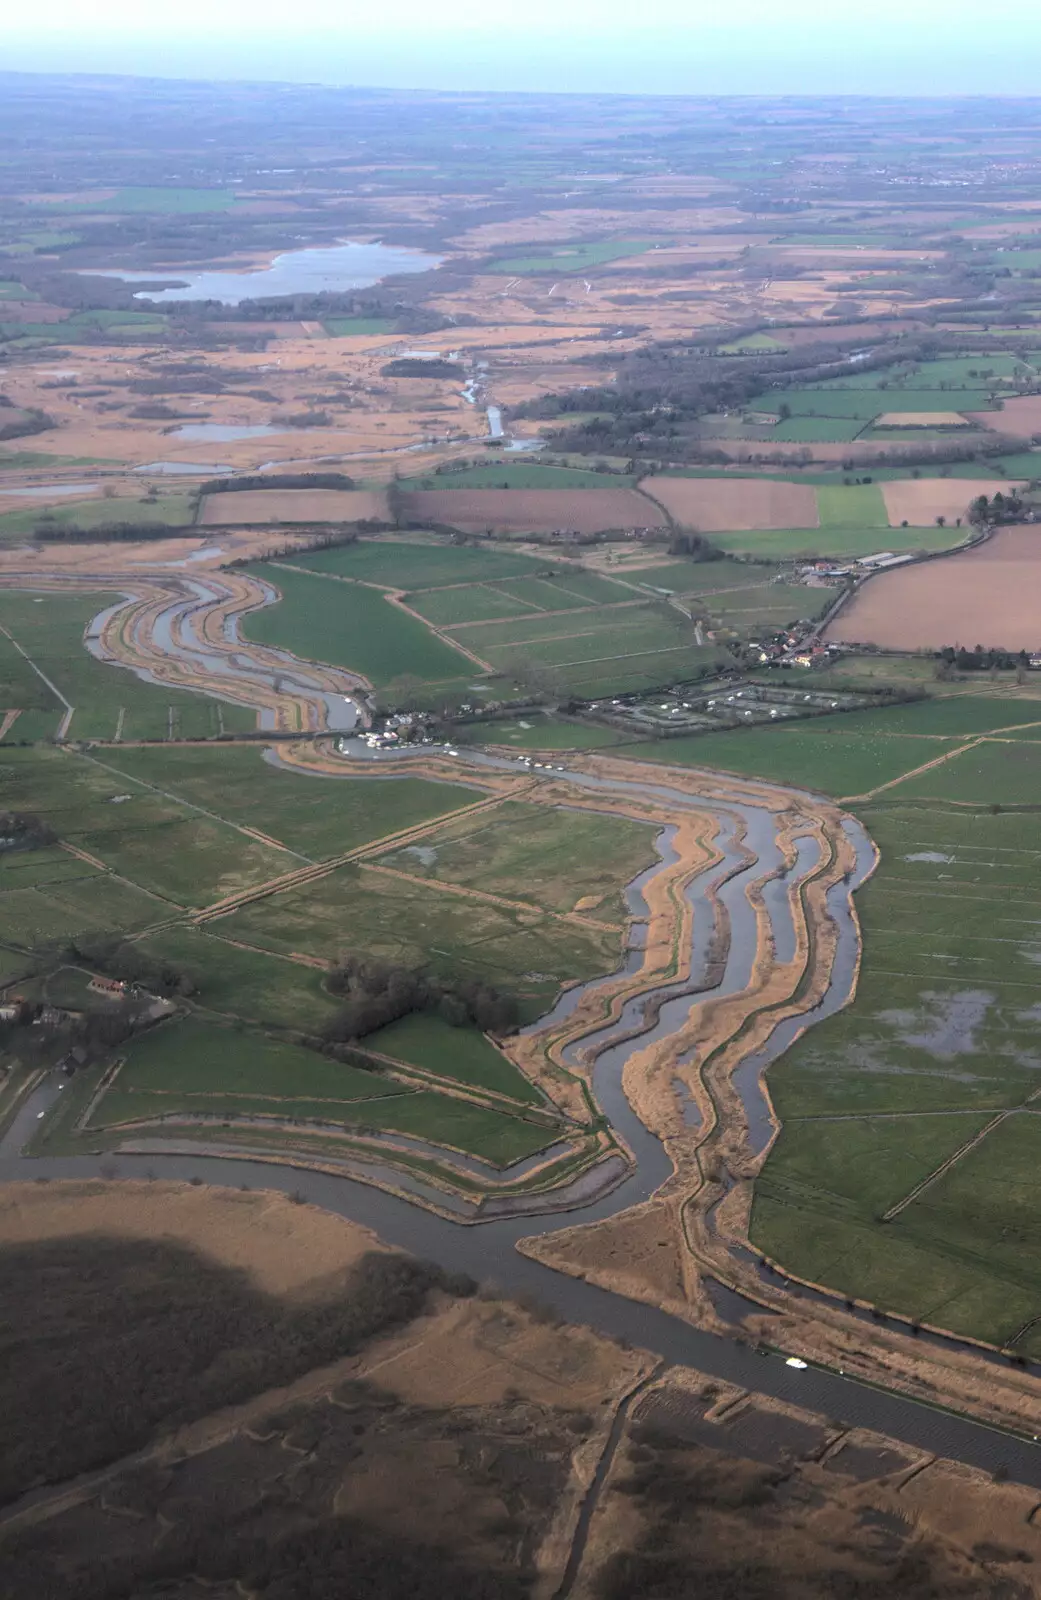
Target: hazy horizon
[930, 51]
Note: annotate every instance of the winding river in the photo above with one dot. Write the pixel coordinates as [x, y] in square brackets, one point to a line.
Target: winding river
[750, 852]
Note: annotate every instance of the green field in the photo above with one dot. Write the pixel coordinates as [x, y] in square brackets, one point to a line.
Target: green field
[590, 631]
[939, 1039]
[356, 909]
[858, 505]
[941, 1036]
[191, 1057]
[600, 636]
[170, 510]
[816, 430]
[178, 854]
[402, 564]
[529, 853]
[1019, 260]
[753, 344]
[1025, 464]
[49, 628]
[842, 399]
[462, 1054]
[947, 372]
[788, 543]
[572, 257]
[319, 817]
[466, 603]
[249, 986]
[193, 1067]
[993, 773]
[349, 626]
[354, 327]
[824, 754]
[20, 460]
[86, 326]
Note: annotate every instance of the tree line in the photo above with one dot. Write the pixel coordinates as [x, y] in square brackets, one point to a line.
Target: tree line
[375, 993]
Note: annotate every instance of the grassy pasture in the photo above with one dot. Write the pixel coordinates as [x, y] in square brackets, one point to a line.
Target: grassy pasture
[633, 671]
[472, 602]
[825, 753]
[21, 460]
[348, 626]
[180, 856]
[533, 626]
[614, 635]
[354, 327]
[944, 1023]
[192, 1066]
[954, 714]
[85, 326]
[49, 628]
[552, 859]
[992, 773]
[816, 430]
[753, 344]
[170, 510]
[194, 1057]
[855, 404]
[370, 912]
[790, 543]
[857, 505]
[400, 564]
[64, 904]
[1024, 464]
[563, 590]
[839, 399]
[459, 1053]
[318, 817]
[249, 985]
[941, 1036]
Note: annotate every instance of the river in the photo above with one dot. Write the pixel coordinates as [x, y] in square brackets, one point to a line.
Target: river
[486, 1250]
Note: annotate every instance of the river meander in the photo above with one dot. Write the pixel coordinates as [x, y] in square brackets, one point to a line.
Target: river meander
[749, 849]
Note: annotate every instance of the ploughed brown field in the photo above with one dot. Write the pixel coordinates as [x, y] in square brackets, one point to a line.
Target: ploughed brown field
[920, 501]
[721, 505]
[293, 505]
[990, 595]
[533, 510]
[1020, 415]
[922, 419]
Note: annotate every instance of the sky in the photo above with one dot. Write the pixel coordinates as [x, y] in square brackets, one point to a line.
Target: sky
[911, 47]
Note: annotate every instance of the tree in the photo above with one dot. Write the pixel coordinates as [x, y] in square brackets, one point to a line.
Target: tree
[979, 511]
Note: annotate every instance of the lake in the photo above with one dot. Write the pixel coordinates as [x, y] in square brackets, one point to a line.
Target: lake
[326, 268]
